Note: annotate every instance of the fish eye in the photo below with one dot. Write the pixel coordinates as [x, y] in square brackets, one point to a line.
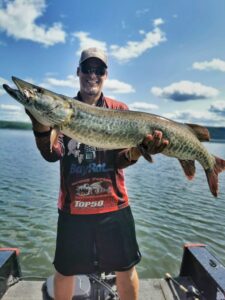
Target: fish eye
[38, 90]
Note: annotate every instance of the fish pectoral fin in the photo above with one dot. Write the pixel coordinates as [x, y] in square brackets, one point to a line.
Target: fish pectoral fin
[145, 153]
[54, 137]
[189, 168]
[201, 132]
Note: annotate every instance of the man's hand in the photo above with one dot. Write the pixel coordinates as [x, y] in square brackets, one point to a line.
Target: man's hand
[36, 125]
[152, 144]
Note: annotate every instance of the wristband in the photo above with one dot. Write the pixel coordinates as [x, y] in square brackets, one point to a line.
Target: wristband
[42, 134]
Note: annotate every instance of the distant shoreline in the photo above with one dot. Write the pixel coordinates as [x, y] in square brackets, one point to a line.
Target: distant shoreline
[15, 125]
[217, 133]
[217, 141]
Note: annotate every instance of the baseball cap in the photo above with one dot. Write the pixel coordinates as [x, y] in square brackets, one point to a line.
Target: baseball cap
[93, 53]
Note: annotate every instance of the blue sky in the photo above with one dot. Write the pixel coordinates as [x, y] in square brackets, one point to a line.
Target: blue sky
[165, 57]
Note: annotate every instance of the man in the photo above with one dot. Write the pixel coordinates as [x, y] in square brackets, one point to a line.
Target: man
[96, 231]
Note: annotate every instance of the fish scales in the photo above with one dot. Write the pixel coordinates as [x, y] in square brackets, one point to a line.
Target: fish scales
[100, 131]
[113, 129]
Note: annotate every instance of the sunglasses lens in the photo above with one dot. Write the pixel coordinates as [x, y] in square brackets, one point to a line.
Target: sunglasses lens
[100, 71]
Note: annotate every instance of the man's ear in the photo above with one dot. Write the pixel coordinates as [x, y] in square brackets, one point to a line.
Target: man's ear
[78, 71]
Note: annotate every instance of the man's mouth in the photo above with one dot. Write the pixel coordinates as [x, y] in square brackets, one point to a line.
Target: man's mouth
[92, 82]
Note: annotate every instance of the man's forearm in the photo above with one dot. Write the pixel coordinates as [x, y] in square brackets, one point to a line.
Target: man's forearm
[127, 157]
[38, 127]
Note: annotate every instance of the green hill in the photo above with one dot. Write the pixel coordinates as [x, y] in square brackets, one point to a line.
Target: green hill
[217, 133]
[15, 125]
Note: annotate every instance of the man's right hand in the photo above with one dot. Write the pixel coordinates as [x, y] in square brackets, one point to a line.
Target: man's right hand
[36, 125]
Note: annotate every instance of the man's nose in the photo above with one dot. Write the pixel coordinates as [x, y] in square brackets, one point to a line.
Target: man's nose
[92, 74]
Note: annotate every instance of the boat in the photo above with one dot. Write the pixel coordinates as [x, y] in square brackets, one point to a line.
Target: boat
[201, 277]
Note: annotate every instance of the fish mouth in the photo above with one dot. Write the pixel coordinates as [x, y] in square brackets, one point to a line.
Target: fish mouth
[12, 92]
[22, 85]
[28, 90]
[16, 94]
[9, 90]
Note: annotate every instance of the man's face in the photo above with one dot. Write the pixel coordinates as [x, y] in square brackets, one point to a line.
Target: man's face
[92, 75]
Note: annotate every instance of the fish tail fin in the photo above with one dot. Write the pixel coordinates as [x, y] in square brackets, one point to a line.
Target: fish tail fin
[212, 175]
[188, 167]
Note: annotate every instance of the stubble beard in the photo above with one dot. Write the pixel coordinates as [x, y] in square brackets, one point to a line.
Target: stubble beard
[92, 91]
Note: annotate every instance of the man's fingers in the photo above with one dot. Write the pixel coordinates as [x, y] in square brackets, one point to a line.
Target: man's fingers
[157, 138]
[155, 143]
[147, 139]
[162, 146]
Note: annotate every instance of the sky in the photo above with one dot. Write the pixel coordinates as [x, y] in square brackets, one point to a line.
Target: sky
[165, 57]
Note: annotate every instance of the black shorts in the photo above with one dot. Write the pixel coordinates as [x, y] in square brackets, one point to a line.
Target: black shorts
[96, 243]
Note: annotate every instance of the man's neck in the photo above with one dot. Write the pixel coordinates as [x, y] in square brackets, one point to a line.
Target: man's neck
[90, 99]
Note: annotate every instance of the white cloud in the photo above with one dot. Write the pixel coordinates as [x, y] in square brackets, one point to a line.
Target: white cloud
[118, 87]
[134, 49]
[12, 112]
[142, 12]
[86, 42]
[158, 22]
[143, 106]
[18, 17]
[214, 64]
[9, 107]
[205, 118]
[218, 108]
[184, 91]
[2, 81]
[142, 32]
[70, 82]
[111, 85]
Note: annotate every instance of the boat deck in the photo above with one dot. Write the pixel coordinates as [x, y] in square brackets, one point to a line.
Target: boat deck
[201, 277]
[150, 289]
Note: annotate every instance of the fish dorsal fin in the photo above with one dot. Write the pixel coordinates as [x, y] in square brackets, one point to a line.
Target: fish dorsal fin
[189, 168]
[201, 132]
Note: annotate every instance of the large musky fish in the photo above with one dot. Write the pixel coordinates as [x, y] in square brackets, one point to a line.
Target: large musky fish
[117, 129]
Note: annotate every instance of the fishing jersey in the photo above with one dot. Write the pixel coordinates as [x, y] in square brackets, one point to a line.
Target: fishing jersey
[91, 179]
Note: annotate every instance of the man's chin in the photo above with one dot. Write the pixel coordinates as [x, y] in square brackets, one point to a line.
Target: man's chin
[92, 92]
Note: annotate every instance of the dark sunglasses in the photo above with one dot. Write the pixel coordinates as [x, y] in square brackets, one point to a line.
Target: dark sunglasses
[99, 71]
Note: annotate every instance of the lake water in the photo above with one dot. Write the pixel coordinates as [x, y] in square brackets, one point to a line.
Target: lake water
[169, 210]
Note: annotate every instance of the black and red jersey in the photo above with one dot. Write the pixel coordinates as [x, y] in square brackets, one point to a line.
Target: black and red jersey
[91, 179]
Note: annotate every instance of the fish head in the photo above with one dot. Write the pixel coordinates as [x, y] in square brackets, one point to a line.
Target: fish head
[47, 107]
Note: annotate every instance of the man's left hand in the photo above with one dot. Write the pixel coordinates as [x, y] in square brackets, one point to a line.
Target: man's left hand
[152, 144]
